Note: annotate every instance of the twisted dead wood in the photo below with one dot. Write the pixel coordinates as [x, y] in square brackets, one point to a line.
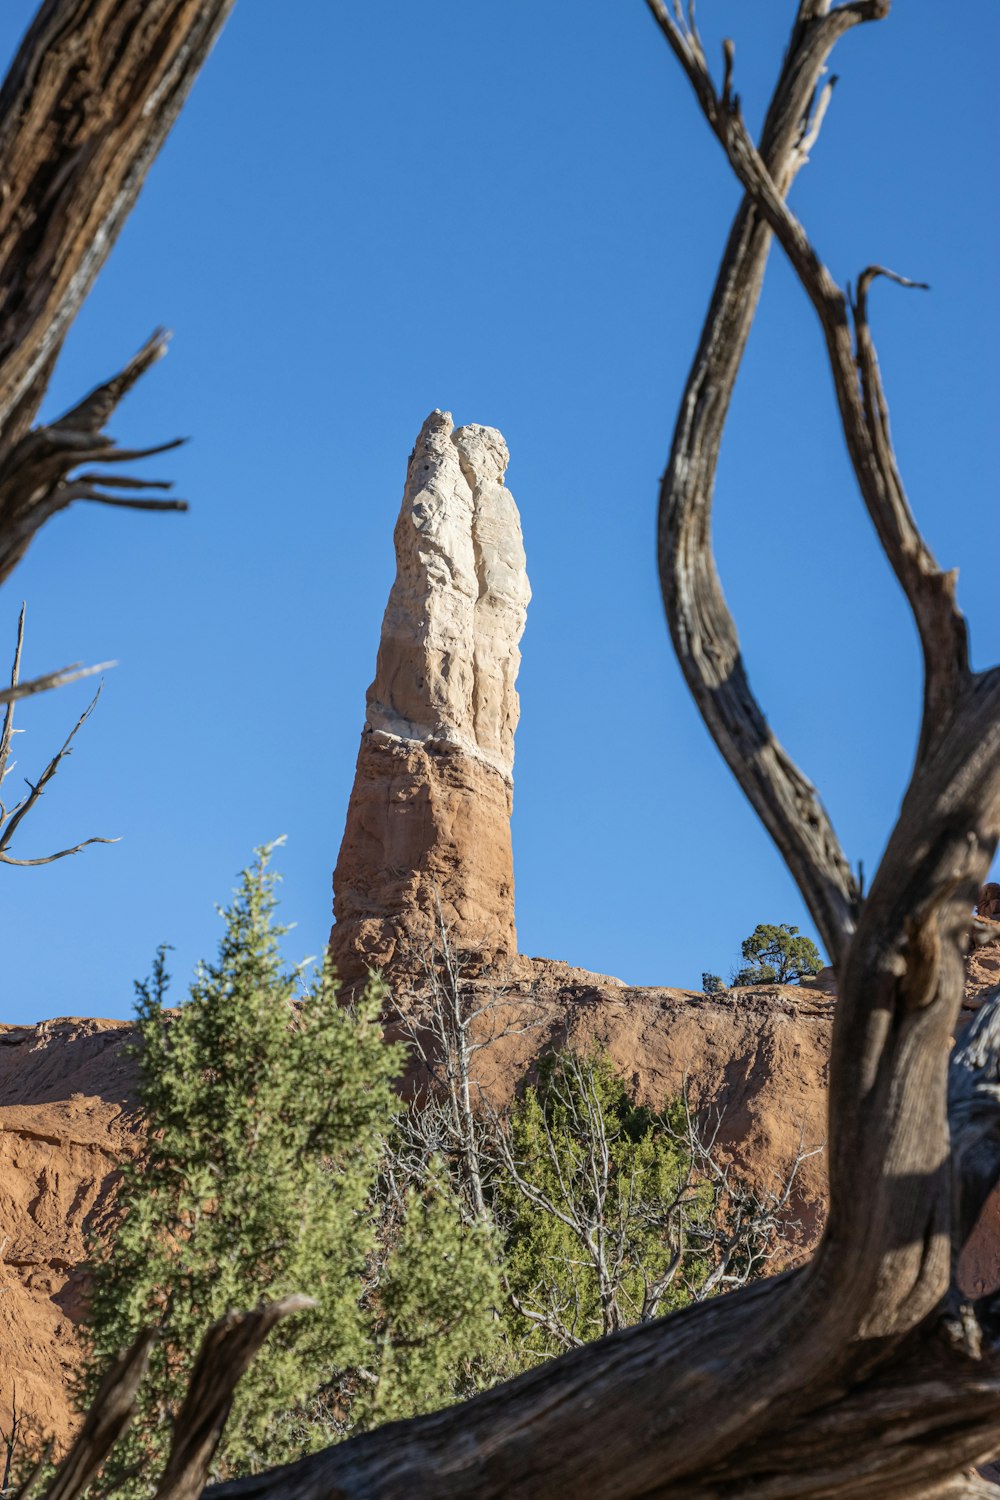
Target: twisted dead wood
[39, 473]
[228, 1350]
[27, 687]
[88, 101]
[11, 818]
[854, 366]
[701, 626]
[113, 1408]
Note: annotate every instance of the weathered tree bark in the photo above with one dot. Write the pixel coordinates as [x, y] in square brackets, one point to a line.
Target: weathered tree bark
[226, 1353]
[703, 631]
[88, 101]
[228, 1350]
[107, 1419]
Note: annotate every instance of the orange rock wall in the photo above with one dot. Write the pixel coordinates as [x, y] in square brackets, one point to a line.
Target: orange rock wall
[66, 1123]
[428, 831]
[753, 1060]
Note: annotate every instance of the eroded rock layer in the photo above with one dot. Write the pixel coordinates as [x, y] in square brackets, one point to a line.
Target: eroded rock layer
[427, 837]
[66, 1123]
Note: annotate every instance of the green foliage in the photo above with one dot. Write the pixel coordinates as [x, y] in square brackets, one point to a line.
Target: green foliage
[777, 955]
[279, 1160]
[712, 984]
[597, 1201]
[434, 1313]
[428, 1302]
[267, 1115]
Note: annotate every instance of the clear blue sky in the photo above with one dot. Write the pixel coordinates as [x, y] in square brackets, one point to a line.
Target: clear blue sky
[513, 211]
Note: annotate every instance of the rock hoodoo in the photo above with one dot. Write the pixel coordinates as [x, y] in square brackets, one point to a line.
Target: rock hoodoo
[428, 824]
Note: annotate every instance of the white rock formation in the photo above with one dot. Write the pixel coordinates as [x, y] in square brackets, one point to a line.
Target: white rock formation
[449, 657]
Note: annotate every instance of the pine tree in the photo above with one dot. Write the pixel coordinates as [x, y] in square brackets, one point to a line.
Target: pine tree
[434, 1325]
[777, 954]
[267, 1112]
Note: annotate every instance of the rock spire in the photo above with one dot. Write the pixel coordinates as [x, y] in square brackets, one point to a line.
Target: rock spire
[428, 824]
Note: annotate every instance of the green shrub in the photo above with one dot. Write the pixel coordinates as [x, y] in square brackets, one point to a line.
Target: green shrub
[267, 1114]
[433, 1317]
[777, 955]
[599, 1208]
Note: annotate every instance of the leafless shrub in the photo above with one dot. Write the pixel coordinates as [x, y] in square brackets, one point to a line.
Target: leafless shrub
[719, 1233]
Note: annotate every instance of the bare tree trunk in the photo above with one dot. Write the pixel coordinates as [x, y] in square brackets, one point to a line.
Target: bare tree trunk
[12, 1441]
[88, 101]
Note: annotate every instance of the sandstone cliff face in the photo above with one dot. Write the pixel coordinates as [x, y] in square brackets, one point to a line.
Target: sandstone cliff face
[982, 969]
[753, 1062]
[988, 905]
[757, 1059]
[428, 824]
[65, 1127]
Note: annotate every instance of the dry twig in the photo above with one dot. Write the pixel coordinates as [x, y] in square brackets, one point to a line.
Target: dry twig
[12, 818]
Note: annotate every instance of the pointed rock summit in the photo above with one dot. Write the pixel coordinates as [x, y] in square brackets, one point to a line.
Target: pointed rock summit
[428, 823]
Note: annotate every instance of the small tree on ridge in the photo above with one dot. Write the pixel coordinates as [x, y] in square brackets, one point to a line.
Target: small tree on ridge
[777, 955]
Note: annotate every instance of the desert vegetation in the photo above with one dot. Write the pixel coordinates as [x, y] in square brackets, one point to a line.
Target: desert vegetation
[449, 1245]
[267, 1106]
[777, 955]
[774, 953]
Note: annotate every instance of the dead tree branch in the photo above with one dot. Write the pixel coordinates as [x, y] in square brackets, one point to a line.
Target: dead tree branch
[62, 678]
[107, 1419]
[857, 381]
[12, 818]
[11, 1440]
[34, 1478]
[908, 950]
[226, 1354]
[38, 475]
[89, 99]
[702, 629]
[446, 1022]
[708, 1218]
